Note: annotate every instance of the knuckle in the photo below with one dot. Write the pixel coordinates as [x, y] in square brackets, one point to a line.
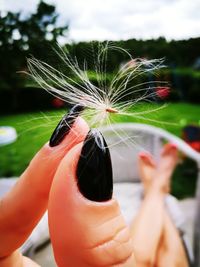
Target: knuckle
[111, 252]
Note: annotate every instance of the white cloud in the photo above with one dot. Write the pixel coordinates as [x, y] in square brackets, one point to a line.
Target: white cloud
[123, 19]
[19, 5]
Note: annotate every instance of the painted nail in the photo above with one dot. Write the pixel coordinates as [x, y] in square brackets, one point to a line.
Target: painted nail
[94, 170]
[65, 125]
[173, 146]
[143, 155]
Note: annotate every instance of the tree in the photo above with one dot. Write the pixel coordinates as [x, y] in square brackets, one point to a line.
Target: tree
[20, 37]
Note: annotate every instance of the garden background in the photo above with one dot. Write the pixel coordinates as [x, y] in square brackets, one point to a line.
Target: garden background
[34, 113]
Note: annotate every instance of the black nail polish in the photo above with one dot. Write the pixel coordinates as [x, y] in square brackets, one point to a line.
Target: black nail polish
[94, 170]
[65, 125]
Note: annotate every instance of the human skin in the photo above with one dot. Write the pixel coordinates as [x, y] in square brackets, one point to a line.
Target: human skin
[24, 205]
[163, 245]
[83, 232]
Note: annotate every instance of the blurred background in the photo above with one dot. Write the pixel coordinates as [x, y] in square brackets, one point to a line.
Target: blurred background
[168, 29]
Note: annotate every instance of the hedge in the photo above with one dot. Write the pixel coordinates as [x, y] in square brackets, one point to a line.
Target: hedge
[184, 83]
[24, 99]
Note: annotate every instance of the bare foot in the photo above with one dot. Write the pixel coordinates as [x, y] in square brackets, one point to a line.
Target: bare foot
[166, 166]
[147, 167]
[158, 175]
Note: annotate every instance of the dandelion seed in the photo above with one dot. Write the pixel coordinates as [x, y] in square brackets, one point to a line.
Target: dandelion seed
[118, 97]
[112, 110]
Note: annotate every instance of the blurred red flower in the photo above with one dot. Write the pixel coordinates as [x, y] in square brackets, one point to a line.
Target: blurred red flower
[57, 103]
[162, 91]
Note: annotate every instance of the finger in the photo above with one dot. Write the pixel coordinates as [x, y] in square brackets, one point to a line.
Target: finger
[23, 206]
[17, 260]
[86, 225]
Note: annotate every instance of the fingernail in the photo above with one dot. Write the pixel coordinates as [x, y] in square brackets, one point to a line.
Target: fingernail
[65, 125]
[94, 170]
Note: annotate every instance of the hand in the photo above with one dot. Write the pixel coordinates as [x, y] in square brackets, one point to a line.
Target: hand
[74, 179]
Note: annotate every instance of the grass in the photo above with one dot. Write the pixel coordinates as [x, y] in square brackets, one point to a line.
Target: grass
[34, 129]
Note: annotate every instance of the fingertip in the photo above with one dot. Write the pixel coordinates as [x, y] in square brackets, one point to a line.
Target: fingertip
[65, 125]
[77, 133]
[80, 124]
[54, 154]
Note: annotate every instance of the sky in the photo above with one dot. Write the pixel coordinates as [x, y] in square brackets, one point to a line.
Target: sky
[121, 19]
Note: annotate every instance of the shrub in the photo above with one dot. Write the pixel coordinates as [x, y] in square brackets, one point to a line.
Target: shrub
[184, 84]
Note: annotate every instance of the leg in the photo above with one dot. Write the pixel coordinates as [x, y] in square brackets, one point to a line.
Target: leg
[147, 228]
[171, 251]
[170, 248]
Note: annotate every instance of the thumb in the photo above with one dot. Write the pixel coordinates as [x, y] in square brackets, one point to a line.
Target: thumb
[86, 225]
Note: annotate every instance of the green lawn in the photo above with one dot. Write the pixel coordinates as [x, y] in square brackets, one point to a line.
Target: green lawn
[34, 129]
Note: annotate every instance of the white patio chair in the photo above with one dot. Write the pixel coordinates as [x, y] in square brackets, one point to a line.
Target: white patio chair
[126, 140]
